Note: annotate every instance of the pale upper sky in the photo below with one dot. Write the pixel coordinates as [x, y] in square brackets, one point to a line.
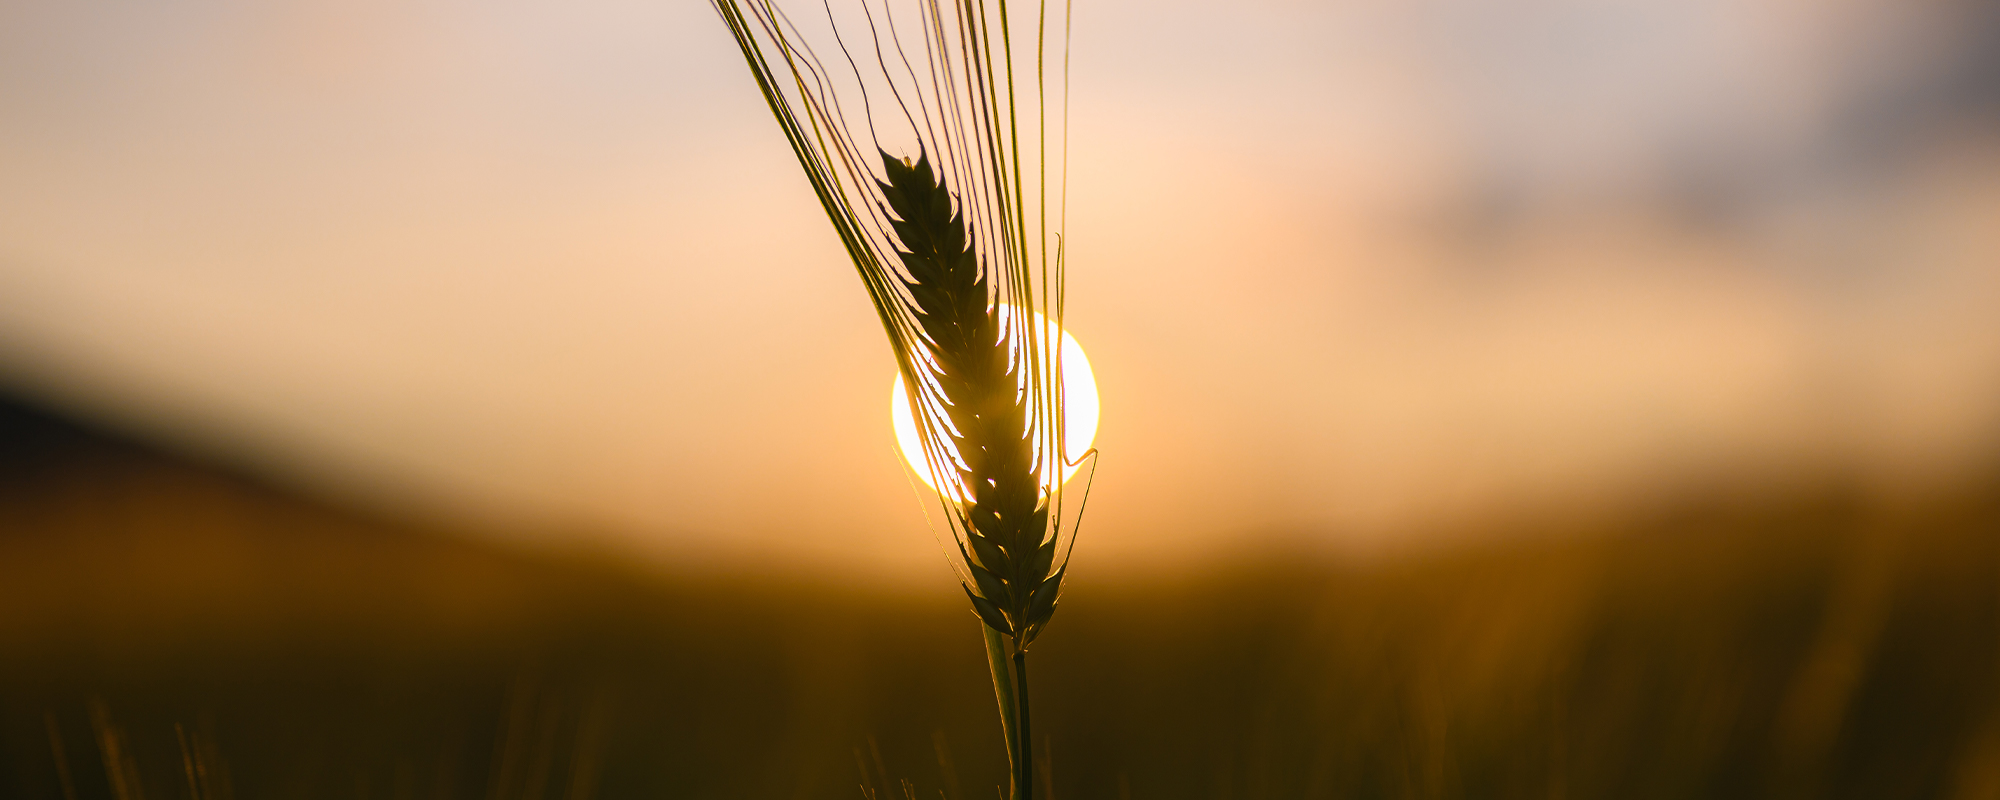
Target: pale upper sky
[1347, 273]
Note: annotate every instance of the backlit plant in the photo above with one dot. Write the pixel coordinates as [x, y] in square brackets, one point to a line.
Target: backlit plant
[953, 240]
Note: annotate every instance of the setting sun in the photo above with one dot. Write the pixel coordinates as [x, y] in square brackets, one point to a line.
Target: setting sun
[1080, 410]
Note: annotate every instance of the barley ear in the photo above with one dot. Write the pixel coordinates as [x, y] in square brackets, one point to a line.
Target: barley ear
[971, 369]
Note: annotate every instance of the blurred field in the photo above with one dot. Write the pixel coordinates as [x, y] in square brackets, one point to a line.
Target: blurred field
[1817, 644]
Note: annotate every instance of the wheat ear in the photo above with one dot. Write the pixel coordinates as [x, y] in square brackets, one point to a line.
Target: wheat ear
[949, 255]
[971, 361]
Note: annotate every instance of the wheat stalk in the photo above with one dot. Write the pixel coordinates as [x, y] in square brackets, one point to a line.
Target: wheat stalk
[961, 274]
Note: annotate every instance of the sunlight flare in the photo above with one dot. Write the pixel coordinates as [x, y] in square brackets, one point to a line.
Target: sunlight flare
[1079, 423]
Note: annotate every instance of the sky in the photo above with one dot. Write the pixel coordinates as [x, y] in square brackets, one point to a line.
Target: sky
[1353, 275]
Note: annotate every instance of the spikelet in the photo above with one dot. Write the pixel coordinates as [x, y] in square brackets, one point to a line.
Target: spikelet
[970, 367]
[949, 253]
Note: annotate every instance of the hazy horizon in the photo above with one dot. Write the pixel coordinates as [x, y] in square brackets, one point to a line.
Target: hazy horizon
[1351, 272]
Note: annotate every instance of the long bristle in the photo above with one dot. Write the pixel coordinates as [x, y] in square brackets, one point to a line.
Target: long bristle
[954, 259]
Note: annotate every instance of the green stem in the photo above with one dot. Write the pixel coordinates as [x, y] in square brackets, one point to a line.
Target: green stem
[1003, 691]
[1024, 786]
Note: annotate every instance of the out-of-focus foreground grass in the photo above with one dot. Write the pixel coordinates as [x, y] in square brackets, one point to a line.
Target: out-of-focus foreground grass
[159, 618]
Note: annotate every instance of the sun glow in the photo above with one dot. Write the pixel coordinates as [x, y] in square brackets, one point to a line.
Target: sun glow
[1080, 412]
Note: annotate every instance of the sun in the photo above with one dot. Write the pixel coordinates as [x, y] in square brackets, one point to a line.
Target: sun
[1080, 412]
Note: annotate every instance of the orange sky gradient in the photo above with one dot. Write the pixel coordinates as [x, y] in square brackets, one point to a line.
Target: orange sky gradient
[1345, 274]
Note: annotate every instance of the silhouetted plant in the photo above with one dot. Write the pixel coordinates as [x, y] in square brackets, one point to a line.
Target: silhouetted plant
[968, 283]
